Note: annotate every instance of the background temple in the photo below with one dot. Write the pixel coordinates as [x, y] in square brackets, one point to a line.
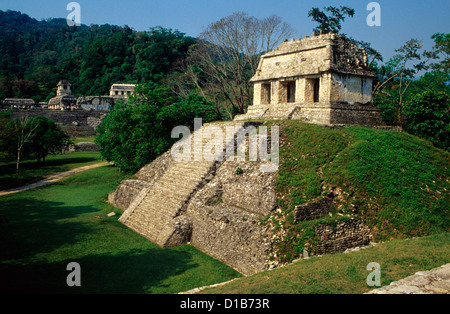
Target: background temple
[121, 90]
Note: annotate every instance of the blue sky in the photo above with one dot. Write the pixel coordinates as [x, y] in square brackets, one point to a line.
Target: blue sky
[401, 20]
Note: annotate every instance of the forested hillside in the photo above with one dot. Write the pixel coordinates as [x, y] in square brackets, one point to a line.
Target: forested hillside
[213, 69]
[35, 55]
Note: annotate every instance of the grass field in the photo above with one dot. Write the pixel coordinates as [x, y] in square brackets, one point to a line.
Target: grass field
[43, 230]
[347, 273]
[77, 140]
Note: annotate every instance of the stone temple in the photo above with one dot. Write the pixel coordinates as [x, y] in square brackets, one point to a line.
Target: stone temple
[210, 205]
[321, 79]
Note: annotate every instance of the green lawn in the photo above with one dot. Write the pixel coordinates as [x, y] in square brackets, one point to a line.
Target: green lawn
[43, 230]
[396, 183]
[347, 273]
[83, 139]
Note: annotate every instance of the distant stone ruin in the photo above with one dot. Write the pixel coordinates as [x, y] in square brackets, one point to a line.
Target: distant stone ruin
[64, 100]
[121, 91]
[98, 103]
[321, 79]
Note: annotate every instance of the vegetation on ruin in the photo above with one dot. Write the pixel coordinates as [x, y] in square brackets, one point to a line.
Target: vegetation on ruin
[396, 183]
[331, 22]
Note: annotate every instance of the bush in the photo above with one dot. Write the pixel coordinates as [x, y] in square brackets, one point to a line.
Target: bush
[427, 116]
[389, 109]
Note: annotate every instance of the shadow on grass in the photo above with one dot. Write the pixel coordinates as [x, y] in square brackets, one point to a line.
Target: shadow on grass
[29, 226]
[133, 272]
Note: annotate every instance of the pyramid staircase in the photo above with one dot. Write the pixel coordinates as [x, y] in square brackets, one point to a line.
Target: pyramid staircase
[154, 211]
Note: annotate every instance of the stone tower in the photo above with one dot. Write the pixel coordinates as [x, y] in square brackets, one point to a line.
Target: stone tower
[63, 88]
[64, 100]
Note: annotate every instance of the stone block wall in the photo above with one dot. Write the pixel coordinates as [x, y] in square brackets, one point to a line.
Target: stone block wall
[76, 123]
[126, 193]
[350, 89]
[227, 221]
[313, 211]
[341, 236]
[355, 114]
[279, 64]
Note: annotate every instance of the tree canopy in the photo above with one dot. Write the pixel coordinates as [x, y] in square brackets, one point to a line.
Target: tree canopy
[330, 22]
[35, 55]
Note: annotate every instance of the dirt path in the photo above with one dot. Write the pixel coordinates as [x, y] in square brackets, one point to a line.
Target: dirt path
[53, 178]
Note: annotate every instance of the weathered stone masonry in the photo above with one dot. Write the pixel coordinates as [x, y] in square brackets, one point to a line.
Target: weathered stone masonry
[205, 203]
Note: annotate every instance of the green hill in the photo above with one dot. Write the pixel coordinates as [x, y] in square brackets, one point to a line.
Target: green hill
[35, 55]
[395, 183]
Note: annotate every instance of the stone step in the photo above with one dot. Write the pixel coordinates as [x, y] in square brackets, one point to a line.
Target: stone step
[186, 178]
[186, 174]
[178, 193]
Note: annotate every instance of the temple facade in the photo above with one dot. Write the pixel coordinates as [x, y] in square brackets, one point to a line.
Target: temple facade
[121, 90]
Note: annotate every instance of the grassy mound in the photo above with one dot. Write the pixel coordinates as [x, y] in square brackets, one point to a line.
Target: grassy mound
[395, 183]
[346, 273]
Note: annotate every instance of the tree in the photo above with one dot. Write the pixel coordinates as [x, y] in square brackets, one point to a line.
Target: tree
[158, 50]
[132, 135]
[228, 54]
[48, 138]
[24, 130]
[330, 23]
[440, 50]
[34, 54]
[397, 75]
[428, 116]
[31, 136]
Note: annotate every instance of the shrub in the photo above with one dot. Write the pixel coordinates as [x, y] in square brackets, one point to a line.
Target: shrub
[427, 116]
